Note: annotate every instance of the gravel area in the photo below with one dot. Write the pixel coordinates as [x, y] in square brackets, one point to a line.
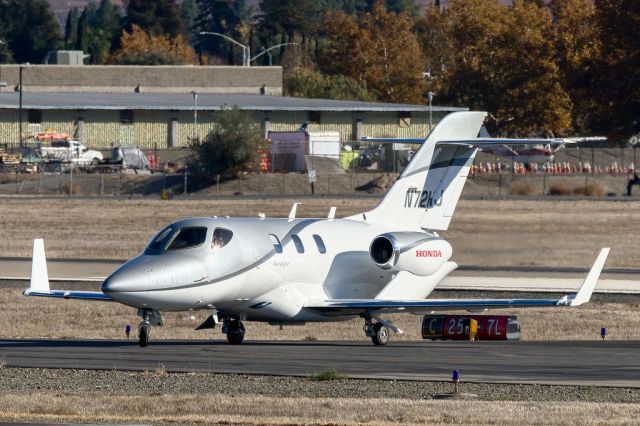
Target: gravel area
[122, 383]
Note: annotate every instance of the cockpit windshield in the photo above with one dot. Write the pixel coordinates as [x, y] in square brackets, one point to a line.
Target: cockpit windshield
[161, 240]
[188, 237]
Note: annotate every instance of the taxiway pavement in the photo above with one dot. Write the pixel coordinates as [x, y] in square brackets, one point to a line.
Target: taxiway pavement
[600, 363]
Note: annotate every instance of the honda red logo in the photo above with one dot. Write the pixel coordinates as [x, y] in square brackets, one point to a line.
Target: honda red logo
[428, 253]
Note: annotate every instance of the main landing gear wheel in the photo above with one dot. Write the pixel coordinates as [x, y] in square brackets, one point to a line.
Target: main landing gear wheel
[235, 332]
[381, 334]
[143, 335]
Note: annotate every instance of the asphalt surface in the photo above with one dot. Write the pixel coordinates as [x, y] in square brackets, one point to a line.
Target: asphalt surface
[608, 363]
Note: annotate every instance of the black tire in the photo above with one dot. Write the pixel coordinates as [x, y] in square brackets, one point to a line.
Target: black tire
[235, 333]
[143, 336]
[381, 336]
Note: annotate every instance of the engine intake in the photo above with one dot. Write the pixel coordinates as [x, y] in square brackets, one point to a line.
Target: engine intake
[418, 253]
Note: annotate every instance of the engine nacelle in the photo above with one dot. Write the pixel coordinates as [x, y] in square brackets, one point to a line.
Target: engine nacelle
[420, 254]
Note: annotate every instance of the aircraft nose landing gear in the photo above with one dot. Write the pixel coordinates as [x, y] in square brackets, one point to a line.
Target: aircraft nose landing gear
[234, 330]
[149, 317]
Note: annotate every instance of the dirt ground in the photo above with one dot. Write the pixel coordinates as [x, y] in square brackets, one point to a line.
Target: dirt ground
[483, 232]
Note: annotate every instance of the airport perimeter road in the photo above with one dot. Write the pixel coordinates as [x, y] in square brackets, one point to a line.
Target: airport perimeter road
[609, 363]
[474, 278]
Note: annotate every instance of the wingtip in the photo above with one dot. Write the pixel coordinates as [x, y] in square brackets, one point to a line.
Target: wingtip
[589, 284]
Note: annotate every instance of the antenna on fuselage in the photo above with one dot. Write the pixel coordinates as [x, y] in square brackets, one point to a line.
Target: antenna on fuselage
[292, 213]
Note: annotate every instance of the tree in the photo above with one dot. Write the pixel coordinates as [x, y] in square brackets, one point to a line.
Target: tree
[103, 30]
[224, 17]
[232, 146]
[158, 17]
[31, 29]
[578, 50]
[379, 50]
[142, 48]
[189, 11]
[71, 28]
[313, 84]
[617, 85]
[82, 37]
[503, 61]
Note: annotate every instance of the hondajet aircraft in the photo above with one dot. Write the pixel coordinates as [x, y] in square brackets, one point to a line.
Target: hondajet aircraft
[291, 271]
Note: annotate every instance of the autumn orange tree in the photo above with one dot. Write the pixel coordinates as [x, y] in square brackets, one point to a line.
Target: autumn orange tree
[502, 60]
[379, 50]
[578, 49]
[141, 48]
[617, 86]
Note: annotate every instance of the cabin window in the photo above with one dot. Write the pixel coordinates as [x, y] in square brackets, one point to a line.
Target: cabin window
[221, 237]
[318, 239]
[188, 237]
[276, 243]
[298, 243]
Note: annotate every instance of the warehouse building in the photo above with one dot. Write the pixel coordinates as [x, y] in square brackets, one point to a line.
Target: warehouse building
[145, 106]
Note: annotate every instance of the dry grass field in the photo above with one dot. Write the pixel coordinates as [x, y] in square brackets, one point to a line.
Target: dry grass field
[484, 232]
[265, 410]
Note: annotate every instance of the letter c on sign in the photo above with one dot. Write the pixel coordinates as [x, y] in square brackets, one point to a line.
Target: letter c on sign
[431, 330]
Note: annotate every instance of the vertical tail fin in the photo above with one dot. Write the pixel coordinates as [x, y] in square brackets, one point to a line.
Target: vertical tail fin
[427, 192]
[39, 274]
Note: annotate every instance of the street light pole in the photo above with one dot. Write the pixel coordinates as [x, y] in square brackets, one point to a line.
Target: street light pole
[246, 50]
[195, 116]
[266, 51]
[2, 82]
[20, 107]
[430, 96]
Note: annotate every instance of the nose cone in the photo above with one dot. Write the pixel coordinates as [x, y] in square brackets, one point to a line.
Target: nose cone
[132, 276]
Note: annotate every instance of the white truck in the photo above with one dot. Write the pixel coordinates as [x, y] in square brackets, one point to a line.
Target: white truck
[71, 151]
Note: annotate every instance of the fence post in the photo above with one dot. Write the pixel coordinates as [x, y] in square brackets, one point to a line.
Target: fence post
[119, 181]
[70, 179]
[544, 184]
[217, 184]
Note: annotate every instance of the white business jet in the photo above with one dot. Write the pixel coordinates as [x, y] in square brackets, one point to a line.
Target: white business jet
[292, 271]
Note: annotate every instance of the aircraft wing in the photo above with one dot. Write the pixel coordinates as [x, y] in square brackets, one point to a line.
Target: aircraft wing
[39, 283]
[362, 306]
[478, 142]
[492, 142]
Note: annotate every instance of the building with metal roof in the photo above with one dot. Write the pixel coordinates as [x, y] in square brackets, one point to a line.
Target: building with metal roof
[159, 107]
[166, 120]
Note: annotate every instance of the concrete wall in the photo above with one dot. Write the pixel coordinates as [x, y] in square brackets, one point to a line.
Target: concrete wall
[159, 79]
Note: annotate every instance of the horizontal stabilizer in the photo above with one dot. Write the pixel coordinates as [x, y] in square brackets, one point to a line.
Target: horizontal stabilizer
[39, 282]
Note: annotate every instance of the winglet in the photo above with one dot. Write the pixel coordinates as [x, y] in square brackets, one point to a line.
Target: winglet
[292, 213]
[39, 274]
[589, 284]
[332, 214]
